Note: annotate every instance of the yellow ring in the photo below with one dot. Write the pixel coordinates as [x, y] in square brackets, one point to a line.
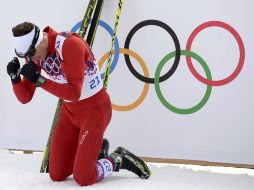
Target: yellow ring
[146, 74]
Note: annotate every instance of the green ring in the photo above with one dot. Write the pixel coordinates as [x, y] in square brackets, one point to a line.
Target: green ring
[158, 90]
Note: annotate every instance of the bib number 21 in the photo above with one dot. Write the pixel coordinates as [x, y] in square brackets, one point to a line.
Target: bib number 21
[95, 82]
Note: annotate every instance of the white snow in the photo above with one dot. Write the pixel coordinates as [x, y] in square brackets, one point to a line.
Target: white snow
[21, 172]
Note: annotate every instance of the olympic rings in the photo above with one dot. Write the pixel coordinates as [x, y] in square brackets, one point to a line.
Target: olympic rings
[241, 48]
[177, 54]
[159, 93]
[111, 32]
[176, 42]
[146, 74]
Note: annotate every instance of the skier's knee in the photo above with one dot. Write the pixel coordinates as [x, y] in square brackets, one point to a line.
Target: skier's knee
[54, 176]
[83, 180]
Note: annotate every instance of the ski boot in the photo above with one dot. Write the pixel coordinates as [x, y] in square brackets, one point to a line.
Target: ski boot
[104, 149]
[124, 159]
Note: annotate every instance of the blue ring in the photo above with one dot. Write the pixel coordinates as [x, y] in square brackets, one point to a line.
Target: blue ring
[111, 32]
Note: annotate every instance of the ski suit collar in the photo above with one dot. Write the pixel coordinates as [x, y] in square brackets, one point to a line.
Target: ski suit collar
[51, 38]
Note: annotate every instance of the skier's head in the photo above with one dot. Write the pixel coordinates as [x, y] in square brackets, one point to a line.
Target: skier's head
[29, 41]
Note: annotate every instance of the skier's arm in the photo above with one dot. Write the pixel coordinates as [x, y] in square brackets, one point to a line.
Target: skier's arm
[73, 65]
[24, 90]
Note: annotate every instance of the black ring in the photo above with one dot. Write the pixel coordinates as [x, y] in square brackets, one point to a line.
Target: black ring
[177, 47]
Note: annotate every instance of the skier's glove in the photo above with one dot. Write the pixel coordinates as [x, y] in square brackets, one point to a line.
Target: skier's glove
[13, 70]
[30, 72]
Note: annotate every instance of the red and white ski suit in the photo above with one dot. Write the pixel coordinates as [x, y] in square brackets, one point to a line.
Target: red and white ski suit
[86, 110]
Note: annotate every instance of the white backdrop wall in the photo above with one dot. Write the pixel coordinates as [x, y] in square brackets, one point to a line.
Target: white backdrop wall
[220, 130]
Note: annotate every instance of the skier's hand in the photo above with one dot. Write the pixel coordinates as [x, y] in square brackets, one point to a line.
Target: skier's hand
[13, 70]
[30, 72]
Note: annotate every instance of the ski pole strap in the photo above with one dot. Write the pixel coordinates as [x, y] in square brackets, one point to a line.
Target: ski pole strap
[118, 14]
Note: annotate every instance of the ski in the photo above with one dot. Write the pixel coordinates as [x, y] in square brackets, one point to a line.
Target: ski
[87, 17]
[118, 14]
[94, 23]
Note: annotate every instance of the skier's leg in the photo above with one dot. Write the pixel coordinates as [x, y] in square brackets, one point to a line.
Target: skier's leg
[63, 148]
[87, 170]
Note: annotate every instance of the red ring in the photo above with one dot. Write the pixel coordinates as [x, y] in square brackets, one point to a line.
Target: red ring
[240, 45]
